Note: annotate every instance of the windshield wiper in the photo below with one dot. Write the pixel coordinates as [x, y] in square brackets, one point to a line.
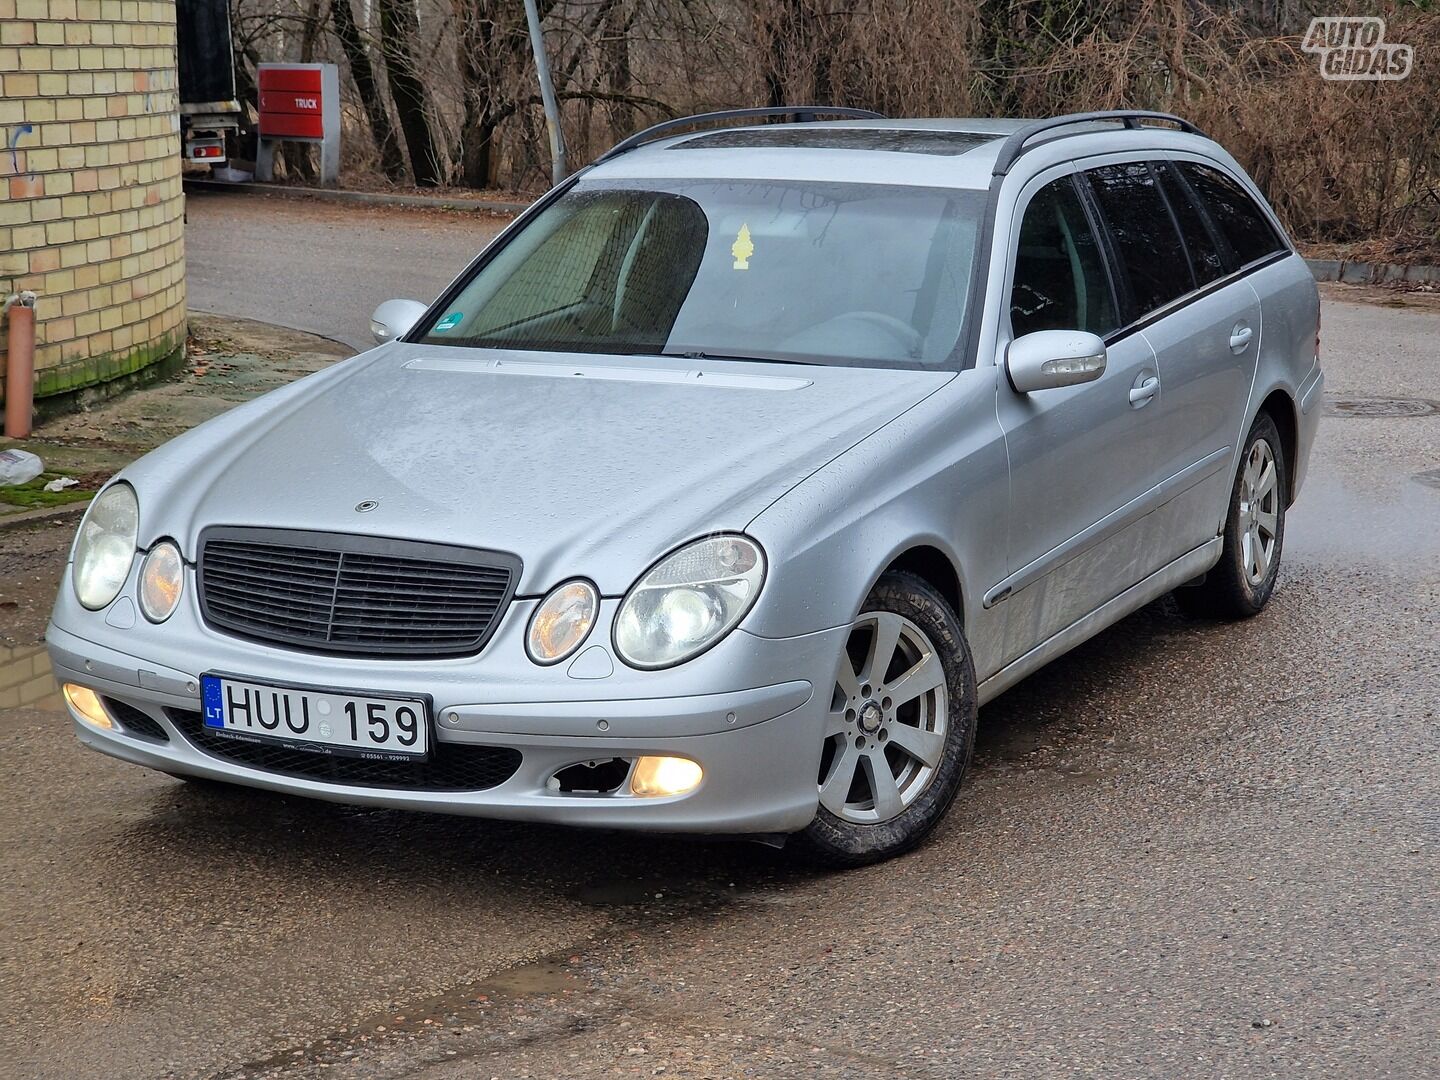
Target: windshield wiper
[699, 355]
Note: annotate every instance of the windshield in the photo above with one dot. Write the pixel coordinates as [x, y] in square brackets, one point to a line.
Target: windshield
[810, 273]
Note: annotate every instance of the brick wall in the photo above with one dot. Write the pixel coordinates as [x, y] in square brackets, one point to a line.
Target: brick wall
[91, 209]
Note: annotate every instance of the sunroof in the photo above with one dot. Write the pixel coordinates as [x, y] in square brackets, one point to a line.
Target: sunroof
[895, 140]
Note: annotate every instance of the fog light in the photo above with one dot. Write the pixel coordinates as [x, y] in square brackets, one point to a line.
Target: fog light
[86, 704]
[665, 776]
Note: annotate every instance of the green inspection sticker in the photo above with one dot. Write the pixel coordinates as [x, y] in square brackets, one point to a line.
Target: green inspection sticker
[449, 322]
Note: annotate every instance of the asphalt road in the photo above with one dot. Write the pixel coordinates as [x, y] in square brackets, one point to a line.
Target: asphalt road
[321, 267]
[1186, 849]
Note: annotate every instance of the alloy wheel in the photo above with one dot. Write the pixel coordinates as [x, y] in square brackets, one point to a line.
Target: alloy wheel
[1259, 512]
[885, 734]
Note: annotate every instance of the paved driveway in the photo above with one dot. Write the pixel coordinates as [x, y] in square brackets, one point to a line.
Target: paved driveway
[1187, 849]
[321, 267]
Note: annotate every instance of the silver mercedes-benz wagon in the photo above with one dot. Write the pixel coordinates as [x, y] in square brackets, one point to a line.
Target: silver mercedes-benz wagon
[721, 489]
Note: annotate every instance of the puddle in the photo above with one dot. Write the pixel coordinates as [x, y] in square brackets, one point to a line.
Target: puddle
[1335, 519]
[1372, 408]
[546, 977]
[460, 1010]
[1429, 479]
[26, 680]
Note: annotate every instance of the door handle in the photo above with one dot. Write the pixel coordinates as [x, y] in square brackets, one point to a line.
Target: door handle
[1141, 395]
[1240, 337]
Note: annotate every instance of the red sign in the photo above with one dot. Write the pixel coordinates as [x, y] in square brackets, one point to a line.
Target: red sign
[292, 103]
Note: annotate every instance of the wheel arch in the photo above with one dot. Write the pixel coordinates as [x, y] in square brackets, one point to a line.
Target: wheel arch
[1280, 407]
[936, 569]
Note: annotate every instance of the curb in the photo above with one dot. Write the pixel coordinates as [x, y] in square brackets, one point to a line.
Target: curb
[1355, 273]
[281, 326]
[371, 198]
[42, 515]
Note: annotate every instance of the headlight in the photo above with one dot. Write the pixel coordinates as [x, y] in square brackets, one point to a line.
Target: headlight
[688, 601]
[105, 547]
[562, 622]
[161, 579]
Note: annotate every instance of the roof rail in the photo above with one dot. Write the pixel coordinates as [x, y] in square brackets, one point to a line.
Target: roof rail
[801, 113]
[1014, 145]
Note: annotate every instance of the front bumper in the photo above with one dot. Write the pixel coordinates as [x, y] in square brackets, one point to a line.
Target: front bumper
[759, 747]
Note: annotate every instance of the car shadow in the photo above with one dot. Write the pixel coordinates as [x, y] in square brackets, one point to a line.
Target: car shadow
[1063, 704]
[1067, 699]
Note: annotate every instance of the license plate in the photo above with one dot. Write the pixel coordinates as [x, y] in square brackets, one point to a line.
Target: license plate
[320, 721]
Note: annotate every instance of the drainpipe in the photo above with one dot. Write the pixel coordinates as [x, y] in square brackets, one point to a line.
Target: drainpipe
[20, 365]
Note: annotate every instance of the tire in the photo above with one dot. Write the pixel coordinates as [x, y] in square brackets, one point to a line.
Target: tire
[924, 742]
[1238, 587]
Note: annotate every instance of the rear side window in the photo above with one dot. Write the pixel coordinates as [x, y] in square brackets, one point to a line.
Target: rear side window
[1060, 277]
[1143, 234]
[1243, 224]
[1202, 244]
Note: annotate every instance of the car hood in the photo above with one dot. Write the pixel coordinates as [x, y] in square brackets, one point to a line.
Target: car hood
[581, 465]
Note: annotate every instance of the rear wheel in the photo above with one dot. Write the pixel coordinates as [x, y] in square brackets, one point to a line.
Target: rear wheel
[1242, 581]
[900, 730]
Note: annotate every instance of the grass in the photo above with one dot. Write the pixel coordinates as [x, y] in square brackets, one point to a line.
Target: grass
[33, 495]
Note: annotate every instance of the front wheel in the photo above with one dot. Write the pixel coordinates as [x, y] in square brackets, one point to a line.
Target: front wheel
[1240, 584]
[901, 727]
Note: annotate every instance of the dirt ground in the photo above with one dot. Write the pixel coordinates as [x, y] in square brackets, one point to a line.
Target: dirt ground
[32, 559]
[228, 361]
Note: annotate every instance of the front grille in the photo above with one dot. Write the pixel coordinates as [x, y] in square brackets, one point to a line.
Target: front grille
[353, 595]
[450, 766]
[135, 722]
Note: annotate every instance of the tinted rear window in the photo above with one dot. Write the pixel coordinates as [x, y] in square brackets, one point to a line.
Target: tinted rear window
[1151, 256]
[1243, 224]
[1206, 259]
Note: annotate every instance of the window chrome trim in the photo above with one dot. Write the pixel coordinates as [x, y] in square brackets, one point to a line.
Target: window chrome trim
[1182, 302]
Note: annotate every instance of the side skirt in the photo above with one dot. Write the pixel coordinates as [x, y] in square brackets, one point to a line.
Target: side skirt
[1189, 566]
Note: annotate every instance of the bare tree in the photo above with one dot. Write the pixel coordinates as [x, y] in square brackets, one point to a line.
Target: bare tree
[398, 28]
[1343, 162]
[357, 56]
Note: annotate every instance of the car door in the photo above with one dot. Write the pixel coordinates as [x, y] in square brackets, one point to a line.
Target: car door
[1248, 242]
[1078, 454]
[1207, 352]
[1205, 334]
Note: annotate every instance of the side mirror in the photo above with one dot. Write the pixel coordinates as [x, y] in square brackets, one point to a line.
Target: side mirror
[394, 318]
[1050, 358]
